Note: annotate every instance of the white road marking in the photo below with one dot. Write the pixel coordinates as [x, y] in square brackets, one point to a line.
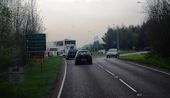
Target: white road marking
[151, 68]
[128, 85]
[100, 66]
[139, 94]
[110, 72]
[114, 75]
[62, 84]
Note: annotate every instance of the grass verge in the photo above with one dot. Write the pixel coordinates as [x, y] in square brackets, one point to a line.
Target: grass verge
[36, 84]
[149, 60]
[97, 54]
[126, 51]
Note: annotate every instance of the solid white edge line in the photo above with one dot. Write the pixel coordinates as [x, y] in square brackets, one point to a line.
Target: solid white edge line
[151, 68]
[62, 84]
[128, 85]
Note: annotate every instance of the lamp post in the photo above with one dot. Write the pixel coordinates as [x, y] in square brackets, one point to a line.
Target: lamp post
[117, 40]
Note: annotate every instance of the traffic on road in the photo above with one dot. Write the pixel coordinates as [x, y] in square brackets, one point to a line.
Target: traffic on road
[113, 78]
[84, 49]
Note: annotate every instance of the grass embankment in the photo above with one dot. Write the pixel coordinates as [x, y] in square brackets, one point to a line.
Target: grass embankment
[97, 54]
[149, 60]
[36, 84]
[126, 51]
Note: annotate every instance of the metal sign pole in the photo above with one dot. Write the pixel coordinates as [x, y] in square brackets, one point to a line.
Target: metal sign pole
[41, 67]
[16, 75]
[17, 90]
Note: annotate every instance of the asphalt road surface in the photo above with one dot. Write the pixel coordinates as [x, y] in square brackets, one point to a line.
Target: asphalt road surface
[112, 78]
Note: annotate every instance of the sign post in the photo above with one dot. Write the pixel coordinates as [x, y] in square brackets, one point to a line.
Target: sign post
[16, 75]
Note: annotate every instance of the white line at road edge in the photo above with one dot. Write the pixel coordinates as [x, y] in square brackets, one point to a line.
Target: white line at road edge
[62, 84]
[146, 68]
[128, 85]
[151, 68]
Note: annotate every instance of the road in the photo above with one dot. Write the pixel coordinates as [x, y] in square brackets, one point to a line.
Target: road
[112, 78]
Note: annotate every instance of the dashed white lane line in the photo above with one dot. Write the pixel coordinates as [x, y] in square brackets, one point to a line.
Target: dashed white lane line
[110, 72]
[128, 85]
[114, 75]
[63, 81]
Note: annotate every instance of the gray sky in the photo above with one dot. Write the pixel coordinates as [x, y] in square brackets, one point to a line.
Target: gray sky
[82, 20]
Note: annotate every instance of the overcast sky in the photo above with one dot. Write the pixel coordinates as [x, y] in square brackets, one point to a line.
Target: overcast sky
[82, 20]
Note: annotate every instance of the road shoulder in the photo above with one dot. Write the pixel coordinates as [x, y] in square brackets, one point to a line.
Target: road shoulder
[58, 82]
[147, 66]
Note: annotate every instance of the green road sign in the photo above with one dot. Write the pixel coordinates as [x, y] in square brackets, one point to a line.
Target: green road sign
[36, 36]
[36, 42]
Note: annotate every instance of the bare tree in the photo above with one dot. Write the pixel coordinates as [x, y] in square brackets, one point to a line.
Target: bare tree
[19, 17]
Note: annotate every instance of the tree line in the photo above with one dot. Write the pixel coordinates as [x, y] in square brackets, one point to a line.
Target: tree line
[129, 38]
[17, 18]
[154, 32]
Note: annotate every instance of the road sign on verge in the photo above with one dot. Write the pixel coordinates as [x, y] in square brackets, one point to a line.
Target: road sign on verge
[36, 42]
[16, 75]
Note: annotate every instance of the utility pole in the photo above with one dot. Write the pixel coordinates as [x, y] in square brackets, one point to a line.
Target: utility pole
[96, 43]
[117, 38]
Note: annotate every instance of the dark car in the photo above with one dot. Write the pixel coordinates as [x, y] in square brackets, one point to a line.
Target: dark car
[83, 56]
[71, 54]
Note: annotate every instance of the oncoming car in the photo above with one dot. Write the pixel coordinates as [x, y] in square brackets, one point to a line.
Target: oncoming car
[112, 53]
[83, 56]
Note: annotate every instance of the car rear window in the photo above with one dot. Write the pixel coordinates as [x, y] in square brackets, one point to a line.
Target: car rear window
[112, 50]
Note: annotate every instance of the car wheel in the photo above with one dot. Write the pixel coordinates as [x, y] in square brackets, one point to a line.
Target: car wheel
[117, 56]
